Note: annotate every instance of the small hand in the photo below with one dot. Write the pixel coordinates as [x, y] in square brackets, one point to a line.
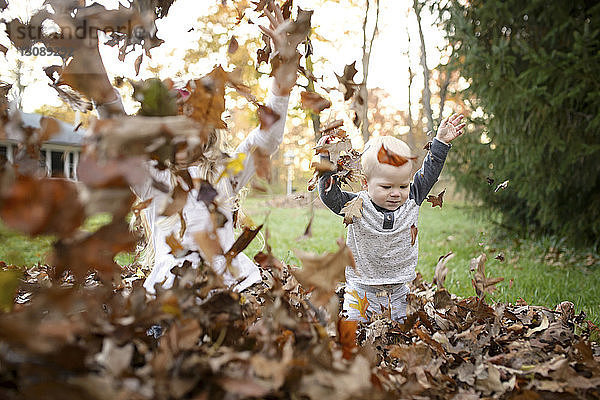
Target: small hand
[450, 128]
[284, 70]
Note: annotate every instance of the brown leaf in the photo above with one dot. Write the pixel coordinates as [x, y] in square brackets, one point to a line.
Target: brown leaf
[352, 209]
[176, 202]
[333, 146]
[206, 102]
[266, 117]
[308, 231]
[385, 156]
[321, 165]
[427, 145]
[3, 49]
[347, 80]
[332, 125]
[437, 200]
[233, 45]
[481, 283]
[441, 270]
[175, 245]
[209, 244]
[347, 337]
[42, 206]
[242, 242]
[96, 250]
[262, 164]
[138, 64]
[413, 234]
[322, 272]
[314, 101]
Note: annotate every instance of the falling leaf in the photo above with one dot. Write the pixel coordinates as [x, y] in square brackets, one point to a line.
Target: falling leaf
[437, 200]
[347, 80]
[362, 304]
[428, 145]
[333, 146]
[322, 165]
[314, 101]
[388, 157]
[266, 117]
[413, 234]
[206, 193]
[352, 209]
[441, 270]
[500, 257]
[175, 245]
[503, 185]
[42, 206]
[233, 45]
[489, 180]
[481, 283]
[332, 126]
[206, 102]
[208, 242]
[322, 272]
[347, 337]
[138, 63]
[308, 231]
[242, 242]
[262, 164]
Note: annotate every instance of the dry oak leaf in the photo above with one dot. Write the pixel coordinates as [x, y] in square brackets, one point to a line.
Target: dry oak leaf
[413, 234]
[347, 336]
[333, 146]
[321, 273]
[206, 102]
[436, 200]
[386, 156]
[352, 209]
[314, 101]
[441, 270]
[362, 304]
[209, 244]
[481, 283]
[242, 242]
[42, 206]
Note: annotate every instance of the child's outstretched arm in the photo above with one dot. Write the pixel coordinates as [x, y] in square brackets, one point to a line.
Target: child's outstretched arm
[427, 176]
[267, 141]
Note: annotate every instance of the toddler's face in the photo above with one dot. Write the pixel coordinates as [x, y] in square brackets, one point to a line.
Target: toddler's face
[389, 186]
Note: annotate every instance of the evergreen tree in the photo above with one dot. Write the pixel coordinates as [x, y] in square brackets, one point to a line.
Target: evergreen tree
[533, 69]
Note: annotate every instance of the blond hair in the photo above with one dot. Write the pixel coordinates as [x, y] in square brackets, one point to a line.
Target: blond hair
[369, 160]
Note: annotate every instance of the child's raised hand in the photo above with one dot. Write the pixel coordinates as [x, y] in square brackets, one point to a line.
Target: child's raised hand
[285, 72]
[450, 128]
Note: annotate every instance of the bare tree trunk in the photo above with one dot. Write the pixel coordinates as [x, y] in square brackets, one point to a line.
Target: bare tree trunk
[315, 117]
[411, 76]
[363, 93]
[426, 91]
[443, 93]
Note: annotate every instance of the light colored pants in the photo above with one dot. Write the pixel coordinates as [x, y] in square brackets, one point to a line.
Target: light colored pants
[389, 300]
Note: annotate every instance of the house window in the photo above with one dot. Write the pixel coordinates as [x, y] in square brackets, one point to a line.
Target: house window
[3, 152]
[57, 165]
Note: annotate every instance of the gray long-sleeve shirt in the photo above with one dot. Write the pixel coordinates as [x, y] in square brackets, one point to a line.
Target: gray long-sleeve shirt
[381, 239]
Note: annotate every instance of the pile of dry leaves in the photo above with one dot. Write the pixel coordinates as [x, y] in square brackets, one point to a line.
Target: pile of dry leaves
[200, 340]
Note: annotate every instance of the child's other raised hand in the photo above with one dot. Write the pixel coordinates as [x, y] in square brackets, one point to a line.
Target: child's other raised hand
[450, 128]
[285, 73]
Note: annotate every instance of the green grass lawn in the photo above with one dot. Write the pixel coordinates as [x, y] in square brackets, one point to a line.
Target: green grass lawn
[455, 227]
